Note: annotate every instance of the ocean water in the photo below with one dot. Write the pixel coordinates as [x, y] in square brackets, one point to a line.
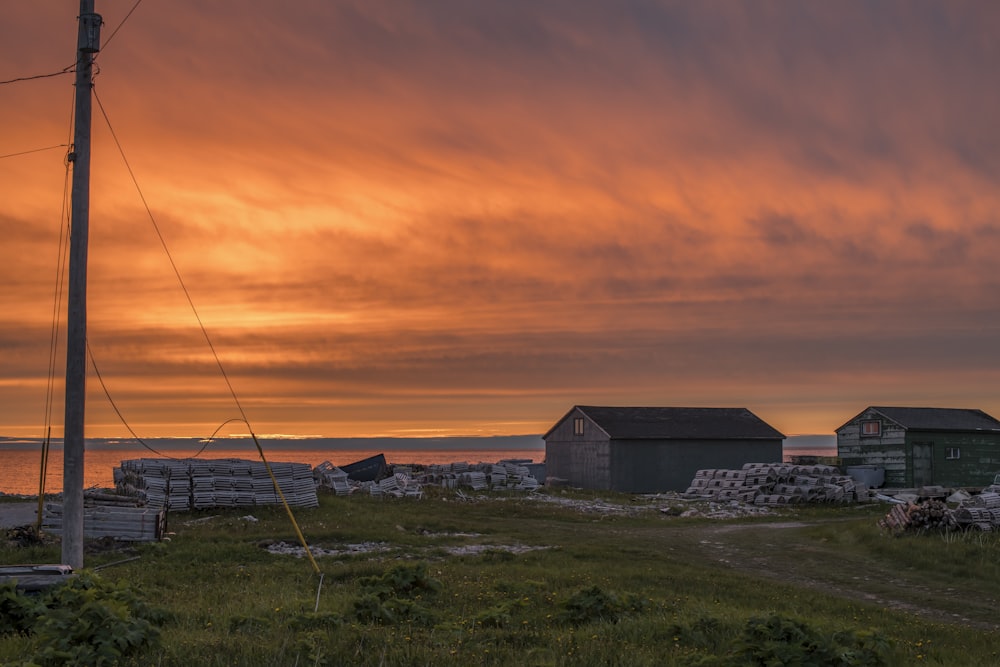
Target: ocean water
[21, 467]
[21, 463]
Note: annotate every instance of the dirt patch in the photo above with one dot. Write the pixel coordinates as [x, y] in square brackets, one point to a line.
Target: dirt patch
[795, 563]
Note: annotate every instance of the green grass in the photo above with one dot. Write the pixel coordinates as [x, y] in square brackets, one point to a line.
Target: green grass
[597, 589]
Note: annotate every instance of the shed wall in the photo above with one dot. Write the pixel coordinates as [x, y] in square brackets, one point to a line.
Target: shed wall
[582, 461]
[978, 457]
[654, 466]
[901, 453]
[887, 450]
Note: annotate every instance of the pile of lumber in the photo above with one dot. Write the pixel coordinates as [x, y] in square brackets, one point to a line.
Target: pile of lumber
[774, 484]
[111, 519]
[927, 515]
[980, 512]
[182, 484]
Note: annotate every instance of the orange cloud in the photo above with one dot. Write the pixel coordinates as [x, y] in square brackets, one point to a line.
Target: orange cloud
[464, 218]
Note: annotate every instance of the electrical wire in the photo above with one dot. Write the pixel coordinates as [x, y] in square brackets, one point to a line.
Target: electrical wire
[66, 70]
[115, 31]
[170, 259]
[128, 427]
[208, 340]
[34, 150]
[61, 260]
[72, 68]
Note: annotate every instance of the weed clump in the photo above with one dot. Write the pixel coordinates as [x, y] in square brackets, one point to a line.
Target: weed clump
[591, 605]
[397, 596]
[85, 621]
[776, 640]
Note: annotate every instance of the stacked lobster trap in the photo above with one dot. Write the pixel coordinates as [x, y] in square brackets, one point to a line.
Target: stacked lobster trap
[775, 484]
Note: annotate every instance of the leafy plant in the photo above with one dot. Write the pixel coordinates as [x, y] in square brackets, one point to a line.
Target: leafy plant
[91, 622]
[388, 598]
[84, 621]
[593, 604]
[776, 640]
[18, 612]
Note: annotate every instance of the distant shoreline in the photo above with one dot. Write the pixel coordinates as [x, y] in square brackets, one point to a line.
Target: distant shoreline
[442, 443]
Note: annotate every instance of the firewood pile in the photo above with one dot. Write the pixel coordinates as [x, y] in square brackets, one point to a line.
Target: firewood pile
[774, 484]
[924, 516]
[980, 512]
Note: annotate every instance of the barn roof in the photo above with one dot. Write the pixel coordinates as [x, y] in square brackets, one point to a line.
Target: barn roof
[937, 419]
[636, 423]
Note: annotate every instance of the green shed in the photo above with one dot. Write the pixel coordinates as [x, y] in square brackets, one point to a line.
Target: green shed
[918, 447]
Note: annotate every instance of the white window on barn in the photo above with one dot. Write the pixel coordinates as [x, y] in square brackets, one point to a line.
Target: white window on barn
[871, 428]
[953, 453]
[578, 426]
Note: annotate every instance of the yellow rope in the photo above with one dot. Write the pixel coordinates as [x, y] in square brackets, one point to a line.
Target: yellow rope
[277, 488]
[41, 481]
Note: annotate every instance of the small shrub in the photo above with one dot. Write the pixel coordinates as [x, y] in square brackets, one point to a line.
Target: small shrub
[372, 609]
[315, 621]
[91, 622]
[593, 604]
[402, 580]
[776, 640]
[388, 599]
[247, 625]
[18, 612]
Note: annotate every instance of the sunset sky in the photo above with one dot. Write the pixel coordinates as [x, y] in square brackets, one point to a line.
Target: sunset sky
[463, 218]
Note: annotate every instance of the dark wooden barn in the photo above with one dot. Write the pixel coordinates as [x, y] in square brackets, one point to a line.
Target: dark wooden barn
[649, 450]
[923, 446]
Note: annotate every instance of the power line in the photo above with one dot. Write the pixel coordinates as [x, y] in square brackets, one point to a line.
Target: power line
[72, 68]
[115, 31]
[67, 70]
[170, 259]
[35, 150]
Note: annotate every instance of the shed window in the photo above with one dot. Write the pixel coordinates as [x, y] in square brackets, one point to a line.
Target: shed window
[871, 428]
[578, 426]
[953, 453]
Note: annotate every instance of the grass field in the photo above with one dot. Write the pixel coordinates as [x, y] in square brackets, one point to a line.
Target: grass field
[595, 579]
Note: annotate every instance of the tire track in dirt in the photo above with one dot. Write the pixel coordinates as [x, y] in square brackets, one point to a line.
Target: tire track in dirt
[763, 559]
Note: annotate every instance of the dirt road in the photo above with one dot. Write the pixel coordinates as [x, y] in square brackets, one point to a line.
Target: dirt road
[17, 514]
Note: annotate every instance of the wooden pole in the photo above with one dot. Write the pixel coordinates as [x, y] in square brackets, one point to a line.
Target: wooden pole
[88, 43]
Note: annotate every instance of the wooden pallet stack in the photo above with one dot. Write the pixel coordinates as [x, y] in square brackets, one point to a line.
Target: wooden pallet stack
[773, 484]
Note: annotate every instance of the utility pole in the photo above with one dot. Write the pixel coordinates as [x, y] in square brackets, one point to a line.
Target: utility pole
[88, 43]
